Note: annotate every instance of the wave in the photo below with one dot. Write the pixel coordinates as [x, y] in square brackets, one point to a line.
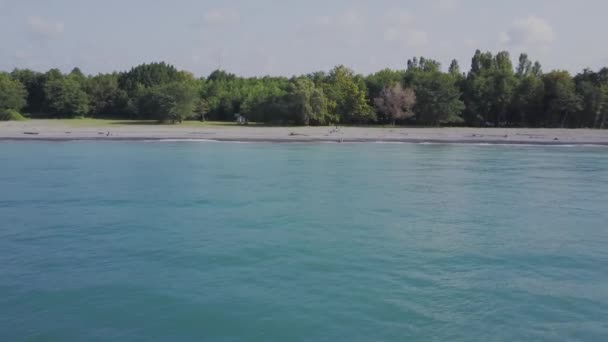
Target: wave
[202, 140]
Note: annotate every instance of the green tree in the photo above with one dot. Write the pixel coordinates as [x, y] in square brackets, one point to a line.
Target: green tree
[146, 76]
[106, 98]
[524, 67]
[503, 86]
[66, 98]
[527, 101]
[601, 119]
[308, 104]
[489, 88]
[201, 109]
[590, 86]
[454, 69]
[34, 84]
[493, 92]
[561, 99]
[528, 94]
[77, 75]
[437, 93]
[223, 92]
[171, 102]
[376, 82]
[349, 95]
[437, 99]
[261, 100]
[12, 93]
[537, 70]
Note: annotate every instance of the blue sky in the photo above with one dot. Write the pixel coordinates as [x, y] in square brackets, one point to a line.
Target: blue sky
[293, 37]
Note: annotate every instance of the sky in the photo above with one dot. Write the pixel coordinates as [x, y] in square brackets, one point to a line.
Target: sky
[288, 37]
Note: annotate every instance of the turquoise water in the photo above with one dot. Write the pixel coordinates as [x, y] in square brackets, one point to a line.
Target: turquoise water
[168, 241]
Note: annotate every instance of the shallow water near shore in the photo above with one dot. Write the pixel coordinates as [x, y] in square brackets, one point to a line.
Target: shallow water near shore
[302, 242]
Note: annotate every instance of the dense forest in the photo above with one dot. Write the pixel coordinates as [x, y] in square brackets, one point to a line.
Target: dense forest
[493, 92]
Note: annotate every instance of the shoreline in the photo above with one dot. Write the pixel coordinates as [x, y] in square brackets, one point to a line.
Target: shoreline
[300, 141]
[74, 130]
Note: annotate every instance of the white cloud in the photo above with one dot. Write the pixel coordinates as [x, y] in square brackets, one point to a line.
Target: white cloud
[22, 55]
[347, 19]
[392, 34]
[470, 43]
[323, 20]
[399, 17]
[503, 38]
[350, 17]
[345, 27]
[416, 37]
[221, 16]
[409, 36]
[528, 31]
[401, 29]
[446, 5]
[42, 28]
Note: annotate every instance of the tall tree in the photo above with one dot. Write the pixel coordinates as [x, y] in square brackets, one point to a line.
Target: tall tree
[171, 102]
[524, 67]
[454, 69]
[396, 103]
[527, 101]
[349, 95]
[77, 75]
[437, 93]
[106, 98]
[489, 88]
[34, 84]
[561, 99]
[202, 109]
[590, 86]
[12, 93]
[308, 103]
[503, 86]
[147, 75]
[381, 79]
[66, 98]
[601, 119]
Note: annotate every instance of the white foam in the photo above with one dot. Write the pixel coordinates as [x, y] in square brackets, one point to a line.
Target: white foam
[384, 142]
[392, 142]
[202, 141]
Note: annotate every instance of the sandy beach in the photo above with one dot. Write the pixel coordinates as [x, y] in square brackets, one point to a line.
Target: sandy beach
[62, 130]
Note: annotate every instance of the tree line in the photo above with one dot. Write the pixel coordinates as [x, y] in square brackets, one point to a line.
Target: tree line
[493, 92]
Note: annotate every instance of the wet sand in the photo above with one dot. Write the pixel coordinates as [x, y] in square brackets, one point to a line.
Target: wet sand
[59, 130]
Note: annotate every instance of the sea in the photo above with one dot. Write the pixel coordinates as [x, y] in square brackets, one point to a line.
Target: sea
[210, 241]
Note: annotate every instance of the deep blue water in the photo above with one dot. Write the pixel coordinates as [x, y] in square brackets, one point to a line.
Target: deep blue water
[173, 241]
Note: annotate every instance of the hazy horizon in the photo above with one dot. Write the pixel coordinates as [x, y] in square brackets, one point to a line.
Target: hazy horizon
[262, 38]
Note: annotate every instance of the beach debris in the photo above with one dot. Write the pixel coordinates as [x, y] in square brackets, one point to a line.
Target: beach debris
[555, 139]
[531, 136]
[31, 133]
[241, 120]
[506, 136]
